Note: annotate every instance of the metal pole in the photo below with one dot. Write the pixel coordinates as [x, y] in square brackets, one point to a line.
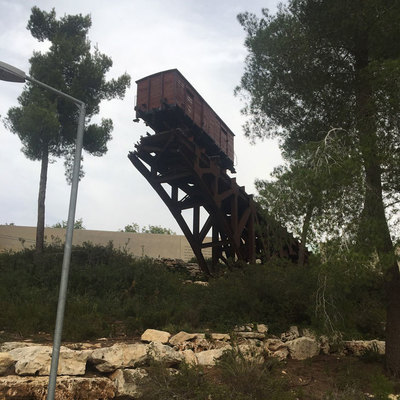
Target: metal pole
[67, 256]
[13, 74]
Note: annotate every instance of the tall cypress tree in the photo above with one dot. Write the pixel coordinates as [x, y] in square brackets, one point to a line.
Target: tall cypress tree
[46, 123]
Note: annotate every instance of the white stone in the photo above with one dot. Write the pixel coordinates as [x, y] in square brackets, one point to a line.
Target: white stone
[324, 344]
[252, 352]
[189, 357]
[6, 361]
[67, 388]
[303, 348]
[161, 352]
[262, 328]
[358, 347]
[201, 344]
[208, 357]
[153, 335]
[272, 345]
[35, 360]
[126, 381]
[220, 336]
[108, 359]
[251, 335]
[291, 334]
[8, 346]
[244, 328]
[280, 354]
[201, 283]
[181, 337]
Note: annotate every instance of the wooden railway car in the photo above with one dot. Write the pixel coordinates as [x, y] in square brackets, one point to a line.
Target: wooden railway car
[166, 100]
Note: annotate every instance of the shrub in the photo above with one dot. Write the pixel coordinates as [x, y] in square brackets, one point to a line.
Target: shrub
[108, 285]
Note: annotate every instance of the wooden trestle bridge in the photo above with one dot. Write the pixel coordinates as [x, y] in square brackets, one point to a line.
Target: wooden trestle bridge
[186, 178]
[188, 171]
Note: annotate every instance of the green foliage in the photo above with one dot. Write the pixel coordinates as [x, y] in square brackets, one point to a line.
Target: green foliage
[188, 383]
[317, 67]
[133, 228]
[107, 285]
[372, 355]
[235, 377]
[317, 193]
[352, 382]
[157, 229]
[45, 122]
[236, 368]
[78, 224]
[319, 76]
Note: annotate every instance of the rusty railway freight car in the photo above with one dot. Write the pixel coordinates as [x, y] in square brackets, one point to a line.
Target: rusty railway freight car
[166, 100]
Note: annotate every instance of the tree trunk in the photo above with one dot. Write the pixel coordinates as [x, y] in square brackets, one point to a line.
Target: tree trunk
[374, 232]
[304, 233]
[393, 322]
[41, 201]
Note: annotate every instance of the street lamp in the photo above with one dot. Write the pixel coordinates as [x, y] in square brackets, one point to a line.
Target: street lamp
[12, 74]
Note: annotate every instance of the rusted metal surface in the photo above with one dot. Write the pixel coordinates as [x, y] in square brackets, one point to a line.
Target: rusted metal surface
[166, 100]
[185, 161]
[186, 178]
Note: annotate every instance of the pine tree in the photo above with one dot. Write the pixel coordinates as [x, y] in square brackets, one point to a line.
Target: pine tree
[319, 65]
[46, 123]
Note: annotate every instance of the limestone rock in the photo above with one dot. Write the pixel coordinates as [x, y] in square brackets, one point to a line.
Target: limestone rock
[201, 344]
[251, 335]
[6, 361]
[181, 337]
[126, 381]
[108, 359]
[161, 352]
[35, 360]
[303, 348]
[8, 346]
[358, 347]
[262, 328]
[153, 335]
[220, 336]
[324, 344]
[67, 388]
[208, 357]
[291, 334]
[244, 328]
[189, 357]
[200, 283]
[281, 354]
[252, 352]
[272, 345]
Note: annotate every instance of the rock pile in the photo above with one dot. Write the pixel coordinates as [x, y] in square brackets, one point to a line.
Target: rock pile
[94, 371]
[177, 264]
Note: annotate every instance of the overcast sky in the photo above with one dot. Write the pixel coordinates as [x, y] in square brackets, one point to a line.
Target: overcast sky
[202, 38]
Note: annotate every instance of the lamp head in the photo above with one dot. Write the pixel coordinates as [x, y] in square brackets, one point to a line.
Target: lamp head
[11, 74]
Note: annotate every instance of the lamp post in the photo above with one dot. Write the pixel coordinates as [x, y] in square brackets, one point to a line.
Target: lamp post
[12, 74]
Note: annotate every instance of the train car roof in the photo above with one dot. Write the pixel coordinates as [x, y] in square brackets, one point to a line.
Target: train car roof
[181, 75]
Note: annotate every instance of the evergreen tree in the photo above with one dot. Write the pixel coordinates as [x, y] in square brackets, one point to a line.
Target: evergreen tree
[46, 123]
[319, 65]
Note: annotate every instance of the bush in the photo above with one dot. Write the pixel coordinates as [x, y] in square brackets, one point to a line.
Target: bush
[109, 288]
[235, 377]
[252, 377]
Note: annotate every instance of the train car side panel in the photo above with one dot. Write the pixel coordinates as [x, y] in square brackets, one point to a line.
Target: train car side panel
[142, 99]
[169, 92]
[198, 111]
[170, 89]
[155, 92]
